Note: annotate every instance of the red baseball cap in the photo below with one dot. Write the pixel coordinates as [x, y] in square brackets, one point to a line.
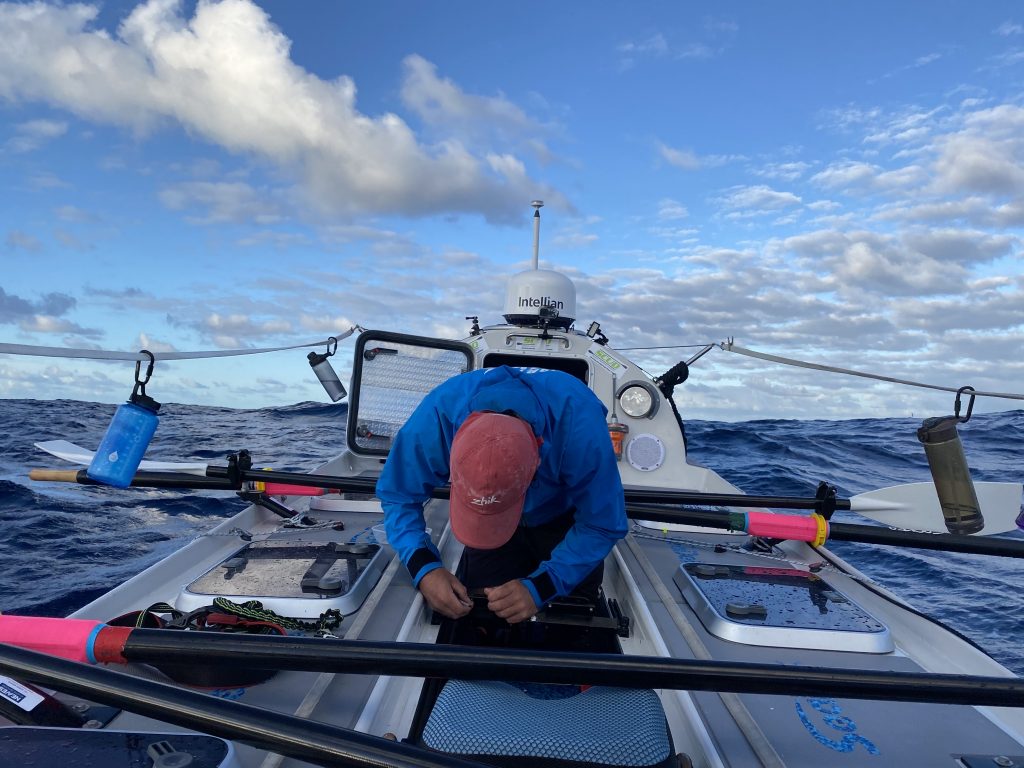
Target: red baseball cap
[493, 460]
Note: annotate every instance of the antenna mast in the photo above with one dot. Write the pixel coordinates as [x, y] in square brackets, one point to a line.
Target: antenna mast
[537, 205]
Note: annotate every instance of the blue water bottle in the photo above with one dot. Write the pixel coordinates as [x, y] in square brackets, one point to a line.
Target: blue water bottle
[128, 436]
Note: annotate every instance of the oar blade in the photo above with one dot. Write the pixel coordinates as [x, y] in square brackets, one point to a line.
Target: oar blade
[76, 454]
[915, 506]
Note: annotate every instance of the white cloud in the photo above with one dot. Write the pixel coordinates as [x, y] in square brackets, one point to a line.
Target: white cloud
[70, 240]
[145, 341]
[680, 158]
[222, 202]
[47, 180]
[33, 134]
[790, 171]
[690, 161]
[824, 205]
[845, 174]
[17, 240]
[225, 75]
[917, 263]
[72, 213]
[655, 45]
[855, 176]
[14, 308]
[670, 210]
[1008, 28]
[574, 240]
[757, 199]
[977, 164]
[51, 324]
[238, 330]
[957, 246]
[920, 61]
[1008, 58]
[481, 120]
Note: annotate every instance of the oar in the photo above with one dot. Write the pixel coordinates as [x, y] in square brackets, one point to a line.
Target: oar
[863, 534]
[913, 506]
[155, 646]
[76, 454]
[307, 740]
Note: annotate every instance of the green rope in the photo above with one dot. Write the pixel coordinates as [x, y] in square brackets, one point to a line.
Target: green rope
[253, 609]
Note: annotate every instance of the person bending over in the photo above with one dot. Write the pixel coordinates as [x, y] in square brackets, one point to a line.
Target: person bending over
[535, 491]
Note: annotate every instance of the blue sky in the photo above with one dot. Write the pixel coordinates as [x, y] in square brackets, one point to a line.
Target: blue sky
[835, 183]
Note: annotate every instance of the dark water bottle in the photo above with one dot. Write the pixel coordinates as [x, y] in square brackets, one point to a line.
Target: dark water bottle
[126, 440]
[325, 373]
[952, 478]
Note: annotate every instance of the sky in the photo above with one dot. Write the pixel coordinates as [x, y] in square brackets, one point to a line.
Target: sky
[836, 183]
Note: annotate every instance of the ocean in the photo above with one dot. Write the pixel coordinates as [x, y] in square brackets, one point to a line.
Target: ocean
[62, 545]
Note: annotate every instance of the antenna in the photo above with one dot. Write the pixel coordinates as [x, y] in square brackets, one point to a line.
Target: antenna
[537, 205]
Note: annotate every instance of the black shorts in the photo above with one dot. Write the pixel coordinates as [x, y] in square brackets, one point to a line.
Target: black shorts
[524, 552]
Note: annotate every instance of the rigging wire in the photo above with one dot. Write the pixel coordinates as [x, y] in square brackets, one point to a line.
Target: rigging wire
[107, 354]
[729, 346]
[676, 346]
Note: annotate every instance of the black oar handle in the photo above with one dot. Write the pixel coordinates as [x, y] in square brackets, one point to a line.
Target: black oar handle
[142, 479]
[288, 735]
[465, 663]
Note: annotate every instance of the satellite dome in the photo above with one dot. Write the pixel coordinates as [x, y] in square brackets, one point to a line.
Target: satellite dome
[540, 297]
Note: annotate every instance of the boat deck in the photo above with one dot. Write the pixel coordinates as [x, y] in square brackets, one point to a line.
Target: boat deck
[644, 576]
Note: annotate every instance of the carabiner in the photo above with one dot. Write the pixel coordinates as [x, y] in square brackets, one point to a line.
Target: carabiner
[149, 369]
[970, 404]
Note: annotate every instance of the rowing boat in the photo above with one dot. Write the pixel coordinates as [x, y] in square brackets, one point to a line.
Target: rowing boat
[726, 632]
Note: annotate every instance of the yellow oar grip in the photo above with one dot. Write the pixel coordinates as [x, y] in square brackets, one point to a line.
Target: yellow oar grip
[54, 475]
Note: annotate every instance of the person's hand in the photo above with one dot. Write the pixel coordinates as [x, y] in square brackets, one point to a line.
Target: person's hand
[445, 593]
[511, 601]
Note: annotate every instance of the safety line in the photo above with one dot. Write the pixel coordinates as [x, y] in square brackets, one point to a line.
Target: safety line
[107, 354]
[729, 346]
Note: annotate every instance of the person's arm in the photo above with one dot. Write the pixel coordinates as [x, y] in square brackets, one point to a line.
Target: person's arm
[418, 463]
[590, 475]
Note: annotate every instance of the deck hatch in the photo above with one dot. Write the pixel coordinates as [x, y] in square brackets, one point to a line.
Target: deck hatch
[295, 579]
[782, 607]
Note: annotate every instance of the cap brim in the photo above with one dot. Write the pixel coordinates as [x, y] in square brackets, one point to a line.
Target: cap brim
[485, 531]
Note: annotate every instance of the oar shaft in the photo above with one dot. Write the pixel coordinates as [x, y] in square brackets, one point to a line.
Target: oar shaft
[288, 735]
[864, 534]
[422, 660]
[729, 500]
[140, 480]
[366, 485]
[943, 542]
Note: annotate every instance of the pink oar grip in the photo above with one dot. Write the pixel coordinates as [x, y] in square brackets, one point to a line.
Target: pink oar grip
[74, 639]
[812, 528]
[283, 489]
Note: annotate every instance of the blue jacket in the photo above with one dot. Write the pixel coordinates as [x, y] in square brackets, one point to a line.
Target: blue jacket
[577, 469]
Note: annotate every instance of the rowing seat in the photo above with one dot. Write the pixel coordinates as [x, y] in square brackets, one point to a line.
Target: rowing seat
[549, 726]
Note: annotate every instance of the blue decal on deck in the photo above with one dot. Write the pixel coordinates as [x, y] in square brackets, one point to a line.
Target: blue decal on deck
[684, 552]
[831, 714]
[228, 693]
[372, 539]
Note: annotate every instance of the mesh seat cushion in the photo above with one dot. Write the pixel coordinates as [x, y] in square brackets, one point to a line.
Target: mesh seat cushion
[599, 726]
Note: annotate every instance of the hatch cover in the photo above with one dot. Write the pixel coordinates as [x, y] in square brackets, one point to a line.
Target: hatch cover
[781, 607]
[298, 579]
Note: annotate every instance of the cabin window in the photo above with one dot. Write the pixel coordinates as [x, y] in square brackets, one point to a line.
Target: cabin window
[571, 365]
